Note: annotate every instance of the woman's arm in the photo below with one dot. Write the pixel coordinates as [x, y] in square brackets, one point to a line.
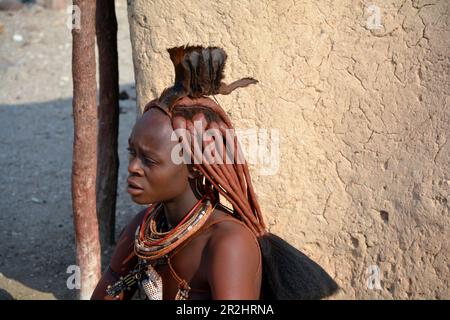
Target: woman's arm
[122, 262]
[234, 270]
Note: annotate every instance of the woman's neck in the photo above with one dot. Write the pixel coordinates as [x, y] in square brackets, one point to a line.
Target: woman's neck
[176, 209]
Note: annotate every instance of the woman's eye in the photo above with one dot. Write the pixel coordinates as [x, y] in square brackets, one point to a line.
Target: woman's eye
[131, 152]
[148, 162]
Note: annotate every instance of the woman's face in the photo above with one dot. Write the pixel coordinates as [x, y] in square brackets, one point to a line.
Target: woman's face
[153, 176]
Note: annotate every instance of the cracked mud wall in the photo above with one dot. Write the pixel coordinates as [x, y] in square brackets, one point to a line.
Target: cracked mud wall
[364, 122]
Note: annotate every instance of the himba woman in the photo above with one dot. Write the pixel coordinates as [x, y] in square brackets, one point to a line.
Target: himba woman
[187, 244]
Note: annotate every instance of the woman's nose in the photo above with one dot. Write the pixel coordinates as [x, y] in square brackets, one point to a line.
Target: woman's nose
[135, 166]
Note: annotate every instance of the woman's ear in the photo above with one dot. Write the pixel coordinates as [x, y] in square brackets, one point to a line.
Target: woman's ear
[193, 172]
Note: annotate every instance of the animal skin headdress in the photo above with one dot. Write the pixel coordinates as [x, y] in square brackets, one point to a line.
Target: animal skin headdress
[199, 72]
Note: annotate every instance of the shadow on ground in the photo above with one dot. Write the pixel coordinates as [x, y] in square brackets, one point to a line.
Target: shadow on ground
[37, 242]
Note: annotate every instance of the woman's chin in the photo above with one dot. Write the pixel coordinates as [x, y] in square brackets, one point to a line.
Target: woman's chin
[138, 200]
[143, 200]
[139, 197]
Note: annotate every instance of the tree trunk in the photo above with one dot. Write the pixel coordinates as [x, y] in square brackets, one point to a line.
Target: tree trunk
[108, 159]
[84, 166]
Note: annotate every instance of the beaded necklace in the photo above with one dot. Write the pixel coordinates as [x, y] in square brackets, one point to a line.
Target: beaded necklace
[152, 247]
[152, 244]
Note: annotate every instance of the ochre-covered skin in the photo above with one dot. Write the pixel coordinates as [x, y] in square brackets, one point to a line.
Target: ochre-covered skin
[223, 262]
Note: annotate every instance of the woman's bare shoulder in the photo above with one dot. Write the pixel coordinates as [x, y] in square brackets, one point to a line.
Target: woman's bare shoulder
[227, 228]
[233, 261]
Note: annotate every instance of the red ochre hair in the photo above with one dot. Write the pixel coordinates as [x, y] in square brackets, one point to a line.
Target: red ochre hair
[199, 72]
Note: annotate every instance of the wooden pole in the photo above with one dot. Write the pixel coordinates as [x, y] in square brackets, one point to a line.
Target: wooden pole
[108, 159]
[84, 165]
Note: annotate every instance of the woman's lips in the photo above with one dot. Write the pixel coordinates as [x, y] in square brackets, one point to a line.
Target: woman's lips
[133, 188]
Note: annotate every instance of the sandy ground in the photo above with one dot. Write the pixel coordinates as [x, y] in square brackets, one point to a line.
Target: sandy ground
[37, 242]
